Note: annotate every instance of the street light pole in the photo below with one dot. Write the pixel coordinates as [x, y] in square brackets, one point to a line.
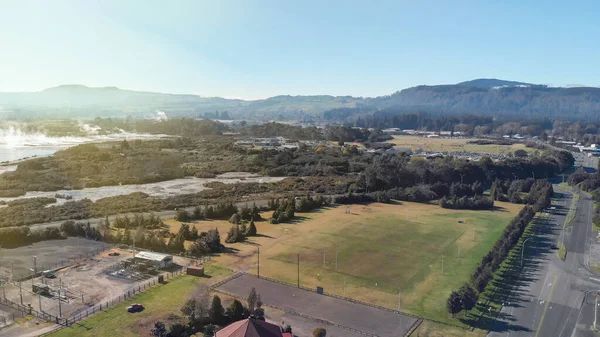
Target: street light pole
[523, 249]
[595, 311]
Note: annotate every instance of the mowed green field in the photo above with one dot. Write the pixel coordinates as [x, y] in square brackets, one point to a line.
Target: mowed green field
[389, 252]
[161, 303]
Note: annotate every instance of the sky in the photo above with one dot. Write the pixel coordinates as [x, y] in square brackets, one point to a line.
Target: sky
[255, 49]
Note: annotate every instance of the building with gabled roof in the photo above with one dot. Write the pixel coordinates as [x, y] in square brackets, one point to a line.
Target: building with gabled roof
[251, 327]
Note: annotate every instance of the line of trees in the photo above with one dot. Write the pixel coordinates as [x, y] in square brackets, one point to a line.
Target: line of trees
[139, 220]
[478, 202]
[239, 233]
[284, 210]
[14, 237]
[483, 274]
[222, 210]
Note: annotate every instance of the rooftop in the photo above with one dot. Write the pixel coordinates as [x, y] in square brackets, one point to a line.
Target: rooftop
[250, 327]
[152, 256]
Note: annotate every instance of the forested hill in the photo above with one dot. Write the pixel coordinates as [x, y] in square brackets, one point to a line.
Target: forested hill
[490, 97]
[581, 103]
[83, 101]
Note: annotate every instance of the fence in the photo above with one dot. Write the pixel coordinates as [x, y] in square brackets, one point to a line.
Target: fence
[66, 322]
[61, 264]
[126, 295]
[417, 323]
[303, 315]
[30, 311]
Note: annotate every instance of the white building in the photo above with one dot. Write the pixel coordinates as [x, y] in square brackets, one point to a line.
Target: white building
[158, 259]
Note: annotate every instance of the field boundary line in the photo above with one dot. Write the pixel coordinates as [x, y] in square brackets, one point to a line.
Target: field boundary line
[336, 296]
[413, 328]
[348, 299]
[225, 280]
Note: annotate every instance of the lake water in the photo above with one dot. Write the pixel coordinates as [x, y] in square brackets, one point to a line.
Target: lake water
[9, 153]
[16, 144]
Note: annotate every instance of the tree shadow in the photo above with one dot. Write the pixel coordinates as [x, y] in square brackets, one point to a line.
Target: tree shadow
[514, 278]
[259, 235]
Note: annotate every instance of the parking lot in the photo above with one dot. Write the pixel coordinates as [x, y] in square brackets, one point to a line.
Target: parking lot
[335, 312]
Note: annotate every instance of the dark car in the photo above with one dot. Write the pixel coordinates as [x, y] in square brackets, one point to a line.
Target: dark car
[136, 307]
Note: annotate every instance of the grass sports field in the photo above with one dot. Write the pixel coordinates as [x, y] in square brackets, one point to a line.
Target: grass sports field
[381, 249]
[161, 303]
[453, 144]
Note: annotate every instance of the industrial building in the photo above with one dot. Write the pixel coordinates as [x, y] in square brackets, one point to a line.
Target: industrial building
[160, 260]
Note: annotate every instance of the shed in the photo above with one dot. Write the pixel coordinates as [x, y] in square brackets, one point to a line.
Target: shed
[158, 259]
[195, 271]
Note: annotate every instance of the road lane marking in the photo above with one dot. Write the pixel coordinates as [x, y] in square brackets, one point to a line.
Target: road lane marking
[594, 279]
[544, 285]
[546, 307]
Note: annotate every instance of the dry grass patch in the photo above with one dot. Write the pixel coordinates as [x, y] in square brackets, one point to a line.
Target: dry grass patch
[453, 144]
[381, 249]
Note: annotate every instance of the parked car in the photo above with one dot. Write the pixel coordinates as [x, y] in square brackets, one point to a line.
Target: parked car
[136, 307]
[48, 274]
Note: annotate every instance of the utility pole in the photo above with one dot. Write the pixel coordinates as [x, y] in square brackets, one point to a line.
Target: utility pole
[21, 292]
[258, 269]
[298, 270]
[324, 250]
[40, 300]
[399, 297]
[458, 247]
[345, 277]
[59, 304]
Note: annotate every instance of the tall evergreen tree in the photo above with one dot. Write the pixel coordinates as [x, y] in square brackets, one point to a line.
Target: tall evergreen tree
[216, 313]
[454, 305]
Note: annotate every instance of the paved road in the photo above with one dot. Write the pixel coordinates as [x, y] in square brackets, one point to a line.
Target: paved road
[552, 297]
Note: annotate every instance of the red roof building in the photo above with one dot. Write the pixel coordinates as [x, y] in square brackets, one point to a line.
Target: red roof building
[251, 327]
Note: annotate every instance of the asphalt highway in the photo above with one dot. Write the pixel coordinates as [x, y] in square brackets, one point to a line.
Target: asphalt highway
[552, 297]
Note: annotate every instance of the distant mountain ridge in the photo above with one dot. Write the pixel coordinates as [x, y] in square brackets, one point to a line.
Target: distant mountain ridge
[492, 83]
[481, 96]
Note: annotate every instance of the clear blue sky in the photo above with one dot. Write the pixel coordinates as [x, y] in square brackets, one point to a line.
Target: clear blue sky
[255, 49]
